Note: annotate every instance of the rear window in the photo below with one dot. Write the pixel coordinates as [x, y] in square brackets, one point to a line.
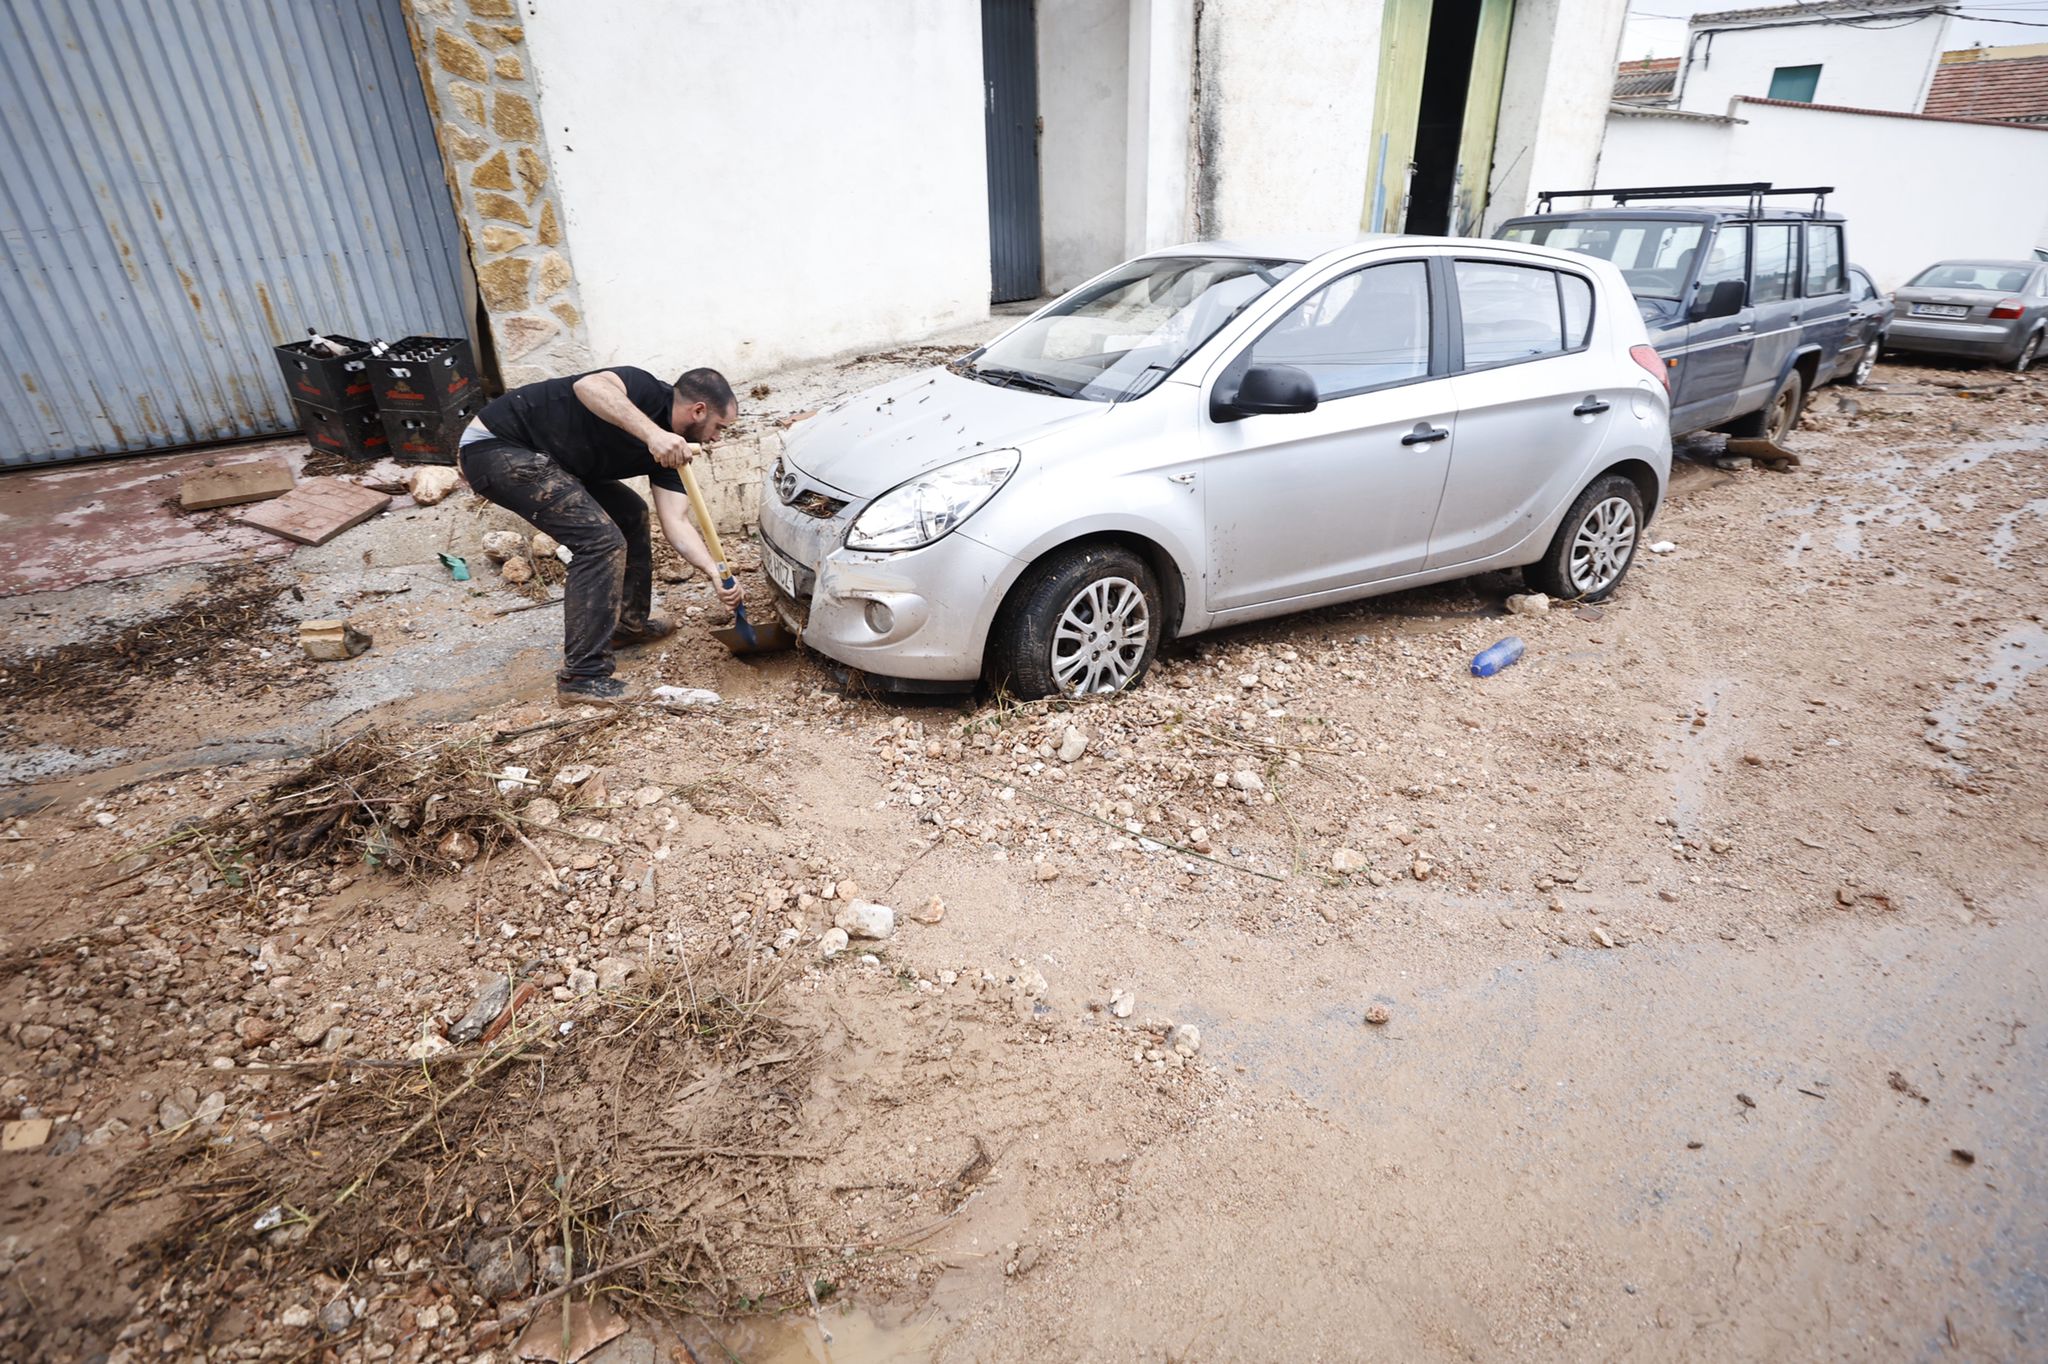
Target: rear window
[2006, 279]
[1655, 255]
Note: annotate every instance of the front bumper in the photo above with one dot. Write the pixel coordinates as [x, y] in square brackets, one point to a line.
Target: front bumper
[921, 615]
[1933, 337]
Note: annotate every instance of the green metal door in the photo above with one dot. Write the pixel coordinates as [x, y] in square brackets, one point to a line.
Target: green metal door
[1397, 103]
[1482, 115]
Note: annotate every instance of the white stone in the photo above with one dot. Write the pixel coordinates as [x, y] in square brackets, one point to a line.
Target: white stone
[500, 545]
[1073, 745]
[582, 981]
[1247, 780]
[1345, 861]
[864, 920]
[832, 944]
[1184, 1039]
[1529, 604]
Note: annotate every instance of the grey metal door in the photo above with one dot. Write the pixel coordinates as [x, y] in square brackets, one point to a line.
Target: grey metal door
[1009, 65]
[184, 186]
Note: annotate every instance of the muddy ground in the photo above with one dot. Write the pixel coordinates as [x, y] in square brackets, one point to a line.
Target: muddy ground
[1704, 945]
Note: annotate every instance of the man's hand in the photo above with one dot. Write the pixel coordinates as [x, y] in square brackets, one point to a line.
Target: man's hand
[670, 451]
[729, 594]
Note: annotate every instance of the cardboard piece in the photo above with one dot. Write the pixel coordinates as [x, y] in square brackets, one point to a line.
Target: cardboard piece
[25, 1134]
[591, 1324]
[318, 510]
[229, 485]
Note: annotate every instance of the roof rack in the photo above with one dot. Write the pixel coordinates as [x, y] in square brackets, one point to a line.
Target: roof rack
[1755, 191]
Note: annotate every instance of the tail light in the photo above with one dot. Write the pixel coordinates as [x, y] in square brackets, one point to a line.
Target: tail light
[2008, 307]
[1647, 357]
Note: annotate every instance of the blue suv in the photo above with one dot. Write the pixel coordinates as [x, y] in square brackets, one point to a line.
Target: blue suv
[1750, 306]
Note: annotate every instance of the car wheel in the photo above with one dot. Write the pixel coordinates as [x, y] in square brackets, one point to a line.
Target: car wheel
[1861, 375]
[1084, 623]
[2028, 354]
[1595, 544]
[1781, 418]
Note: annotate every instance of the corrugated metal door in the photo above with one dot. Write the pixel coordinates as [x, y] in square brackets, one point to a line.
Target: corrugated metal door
[183, 186]
[1009, 65]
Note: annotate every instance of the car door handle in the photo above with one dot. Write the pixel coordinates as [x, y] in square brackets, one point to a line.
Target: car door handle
[1592, 407]
[1185, 480]
[1747, 327]
[1425, 434]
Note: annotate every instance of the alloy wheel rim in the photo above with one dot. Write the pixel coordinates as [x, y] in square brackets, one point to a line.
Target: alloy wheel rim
[1602, 547]
[1100, 639]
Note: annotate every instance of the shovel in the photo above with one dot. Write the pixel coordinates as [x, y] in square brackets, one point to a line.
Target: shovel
[743, 636]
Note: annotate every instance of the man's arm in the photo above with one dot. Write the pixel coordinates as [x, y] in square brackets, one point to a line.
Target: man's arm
[672, 509]
[605, 394]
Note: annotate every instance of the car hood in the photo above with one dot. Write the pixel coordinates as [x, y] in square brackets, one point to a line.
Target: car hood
[865, 445]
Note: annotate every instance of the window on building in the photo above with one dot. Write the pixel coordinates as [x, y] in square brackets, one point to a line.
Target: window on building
[1777, 263]
[1364, 330]
[1823, 261]
[1795, 83]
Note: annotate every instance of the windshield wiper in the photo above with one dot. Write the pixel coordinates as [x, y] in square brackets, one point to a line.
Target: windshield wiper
[1017, 378]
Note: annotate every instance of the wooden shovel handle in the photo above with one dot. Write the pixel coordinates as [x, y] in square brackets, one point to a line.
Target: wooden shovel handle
[702, 512]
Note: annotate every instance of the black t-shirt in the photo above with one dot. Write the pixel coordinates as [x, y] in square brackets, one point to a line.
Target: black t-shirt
[549, 417]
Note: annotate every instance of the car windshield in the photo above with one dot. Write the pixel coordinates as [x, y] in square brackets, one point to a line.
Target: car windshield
[2005, 279]
[1118, 337]
[1655, 256]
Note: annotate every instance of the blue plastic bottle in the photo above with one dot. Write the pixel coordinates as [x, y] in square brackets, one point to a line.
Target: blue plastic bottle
[1498, 656]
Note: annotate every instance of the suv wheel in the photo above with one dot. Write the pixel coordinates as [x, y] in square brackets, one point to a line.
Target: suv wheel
[2028, 354]
[1776, 422]
[1861, 375]
[1595, 544]
[1084, 623]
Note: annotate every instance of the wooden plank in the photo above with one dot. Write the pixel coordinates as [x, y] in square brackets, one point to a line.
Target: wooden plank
[230, 485]
[318, 510]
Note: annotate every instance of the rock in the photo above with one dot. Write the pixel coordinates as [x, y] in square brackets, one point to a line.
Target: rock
[1184, 1039]
[686, 698]
[832, 944]
[34, 1035]
[432, 482]
[1377, 1014]
[1045, 871]
[1600, 936]
[309, 1031]
[1662, 547]
[647, 795]
[1719, 845]
[574, 775]
[172, 1113]
[1734, 462]
[516, 570]
[458, 846]
[332, 641]
[210, 1109]
[1668, 896]
[544, 545]
[582, 981]
[863, 920]
[500, 545]
[613, 972]
[933, 912]
[501, 1267]
[483, 1012]
[1422, 870]
[295, 1317]
[336, 1317]
[1122, 1003]
[513, 779]
[1345, 861]
[1247, 781]
[1072, 745]
[542, 811]
[1529, 604]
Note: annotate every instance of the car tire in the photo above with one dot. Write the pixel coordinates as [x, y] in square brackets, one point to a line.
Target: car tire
[1866, 362]
[1045, 640]
[2028, 354]
[1595, 543]
[1778, 418]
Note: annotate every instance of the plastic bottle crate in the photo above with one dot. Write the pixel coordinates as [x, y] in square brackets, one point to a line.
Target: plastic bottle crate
[424, 374]
[356, 432]
[335, 382]
[428, 437]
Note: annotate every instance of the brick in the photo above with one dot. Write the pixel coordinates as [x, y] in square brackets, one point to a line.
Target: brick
[317, 510]
[233, 484]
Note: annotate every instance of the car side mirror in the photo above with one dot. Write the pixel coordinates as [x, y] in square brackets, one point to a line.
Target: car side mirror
[1725, 299]
[1264, 390]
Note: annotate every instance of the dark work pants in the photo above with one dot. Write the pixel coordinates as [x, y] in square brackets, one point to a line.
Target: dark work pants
[604, 524]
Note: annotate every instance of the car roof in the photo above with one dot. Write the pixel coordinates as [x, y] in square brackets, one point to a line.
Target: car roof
[1995, 264]
[1303, 247]
[1687, 213]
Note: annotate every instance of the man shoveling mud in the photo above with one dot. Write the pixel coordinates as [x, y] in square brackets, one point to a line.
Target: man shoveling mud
[555, 452]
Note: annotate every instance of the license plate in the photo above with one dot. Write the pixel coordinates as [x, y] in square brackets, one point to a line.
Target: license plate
[1940, 310]
[781, 572]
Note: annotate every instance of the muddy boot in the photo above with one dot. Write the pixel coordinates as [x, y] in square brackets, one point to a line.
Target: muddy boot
[656, 628]
[595, 691]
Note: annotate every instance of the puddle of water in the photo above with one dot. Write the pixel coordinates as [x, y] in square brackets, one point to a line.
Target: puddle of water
[2019, 653]
[854, 1338]
[1696, 753]
[2005, 536]
[1904, 501]
[1799, 547]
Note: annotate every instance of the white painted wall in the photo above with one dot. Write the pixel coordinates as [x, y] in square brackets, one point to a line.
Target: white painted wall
[1084, 102]
[1553, 107]
[749, 185]
[1288, 100]
[1914, 190]
[1886, 65]
[1159, 168]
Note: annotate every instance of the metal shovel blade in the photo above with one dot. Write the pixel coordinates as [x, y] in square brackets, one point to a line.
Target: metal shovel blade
[749, 636]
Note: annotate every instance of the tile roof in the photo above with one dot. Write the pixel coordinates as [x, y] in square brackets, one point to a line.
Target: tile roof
[2005, 89]
[1648, 81]
[1856, 9]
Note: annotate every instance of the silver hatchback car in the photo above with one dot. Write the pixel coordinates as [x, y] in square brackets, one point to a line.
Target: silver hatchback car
[1995, 310]
[1216, 433]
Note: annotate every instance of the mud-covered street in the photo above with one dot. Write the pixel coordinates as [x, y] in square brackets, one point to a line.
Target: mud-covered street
[1673, 994]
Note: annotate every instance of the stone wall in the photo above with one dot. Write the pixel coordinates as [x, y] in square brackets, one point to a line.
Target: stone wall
[480, 88]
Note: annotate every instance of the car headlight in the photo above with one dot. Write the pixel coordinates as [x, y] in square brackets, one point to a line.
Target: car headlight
[914, 514]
